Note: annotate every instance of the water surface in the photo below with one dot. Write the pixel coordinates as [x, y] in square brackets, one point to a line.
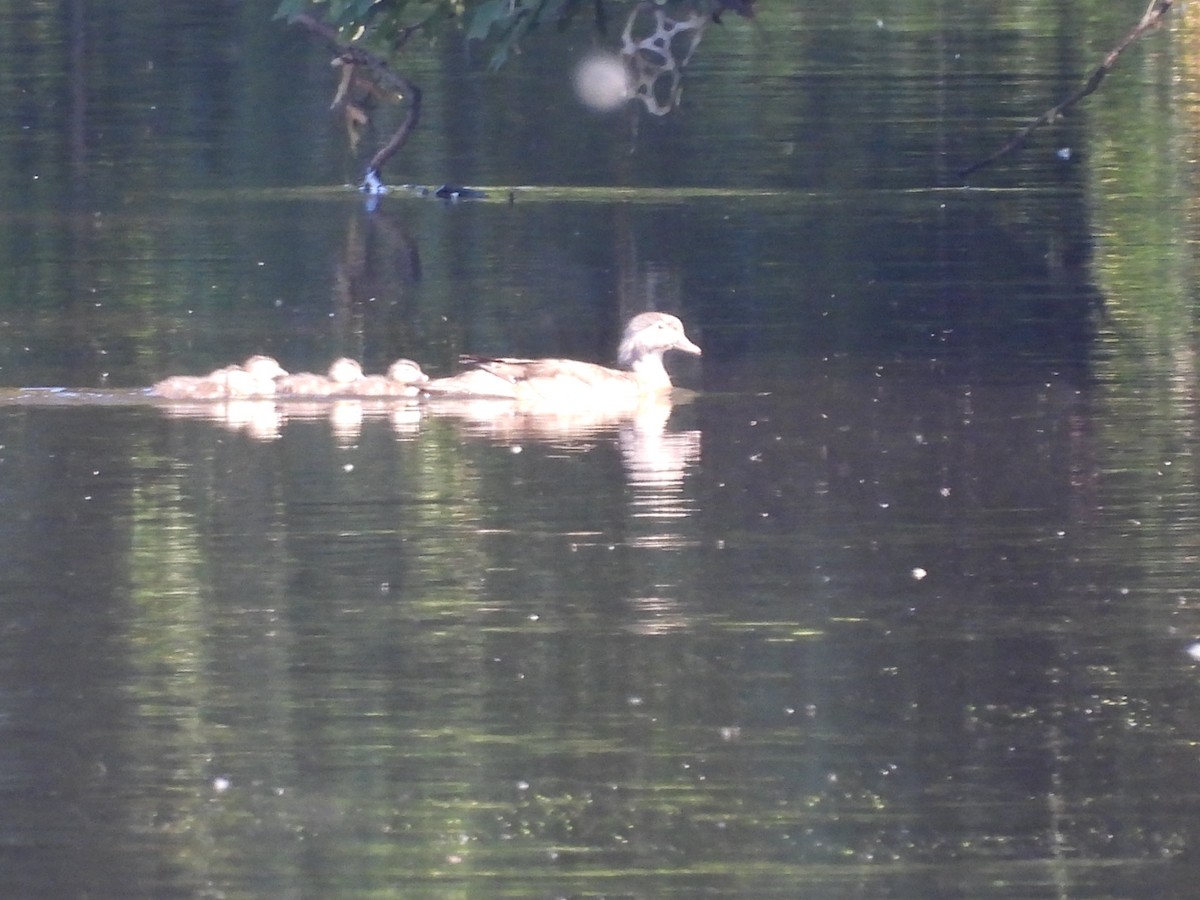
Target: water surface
[897, 601]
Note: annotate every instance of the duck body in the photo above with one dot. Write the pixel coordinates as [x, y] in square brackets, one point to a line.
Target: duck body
[338, 380]
[345, 378]
[403, 379]
[302, 384]
[192, 387]
[562, 382]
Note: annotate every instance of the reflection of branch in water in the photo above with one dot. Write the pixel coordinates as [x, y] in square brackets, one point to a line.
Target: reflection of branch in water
[379, 261]
[1151, 19]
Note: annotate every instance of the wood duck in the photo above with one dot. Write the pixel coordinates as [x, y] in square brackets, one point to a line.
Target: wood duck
[565, 382]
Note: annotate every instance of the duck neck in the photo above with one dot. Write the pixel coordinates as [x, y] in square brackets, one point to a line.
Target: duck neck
[650, 373]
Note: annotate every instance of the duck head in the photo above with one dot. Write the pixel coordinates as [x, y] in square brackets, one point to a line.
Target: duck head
[406, 371]
[648, 336]
[264, 367]
[344, 371]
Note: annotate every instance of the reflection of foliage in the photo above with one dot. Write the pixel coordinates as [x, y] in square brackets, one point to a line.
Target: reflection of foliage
[388, 24]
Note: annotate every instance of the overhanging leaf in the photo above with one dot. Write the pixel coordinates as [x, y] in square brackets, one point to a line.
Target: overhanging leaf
[488, 14]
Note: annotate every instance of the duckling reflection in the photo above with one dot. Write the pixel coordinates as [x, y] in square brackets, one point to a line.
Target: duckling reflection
[570, 384]
[345, 415]
[258, 419]
[345, 421]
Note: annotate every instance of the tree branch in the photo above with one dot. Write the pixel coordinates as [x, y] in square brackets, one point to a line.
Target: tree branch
[384, 74]
[1151, 19]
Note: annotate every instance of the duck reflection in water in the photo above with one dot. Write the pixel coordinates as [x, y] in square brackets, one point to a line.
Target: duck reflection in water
[514, 400]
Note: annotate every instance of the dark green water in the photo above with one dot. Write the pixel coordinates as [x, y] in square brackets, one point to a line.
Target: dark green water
[898, 604]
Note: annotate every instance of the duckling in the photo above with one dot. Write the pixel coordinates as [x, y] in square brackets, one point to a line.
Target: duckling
[402, 380]
[562, 382]
[264, 367]
[254, 378]
[302, 384]
[341, 374]
[192, 387]
[343, 371]
[406, 371]
[375, 386]
[241, 384]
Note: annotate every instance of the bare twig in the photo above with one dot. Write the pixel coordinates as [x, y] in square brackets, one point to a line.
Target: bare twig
[1151, 19]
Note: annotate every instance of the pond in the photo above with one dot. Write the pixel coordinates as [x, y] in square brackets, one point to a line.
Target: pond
[895, 597]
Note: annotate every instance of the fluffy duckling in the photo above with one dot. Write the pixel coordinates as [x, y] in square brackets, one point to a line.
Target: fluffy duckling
[567, 382]
[192, 387]
[254, 378]
[341, 375]
[406, 371]
[402, 380]
[264, 367]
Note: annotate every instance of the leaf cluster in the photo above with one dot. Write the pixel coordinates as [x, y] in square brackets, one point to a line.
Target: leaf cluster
[386, 25]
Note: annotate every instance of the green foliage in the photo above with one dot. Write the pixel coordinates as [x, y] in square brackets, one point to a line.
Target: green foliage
[507, 22]
[387, 24]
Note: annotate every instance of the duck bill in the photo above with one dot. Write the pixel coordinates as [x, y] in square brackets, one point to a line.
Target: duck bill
[688, 347]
